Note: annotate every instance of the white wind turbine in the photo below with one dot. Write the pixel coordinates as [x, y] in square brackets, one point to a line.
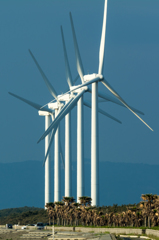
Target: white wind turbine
[48, 114]
[56, 106]
[86, 80]
[80, 135]
[95, 78]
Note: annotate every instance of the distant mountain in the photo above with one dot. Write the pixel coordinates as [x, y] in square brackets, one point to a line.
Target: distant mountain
[22, 183]
[13, 211]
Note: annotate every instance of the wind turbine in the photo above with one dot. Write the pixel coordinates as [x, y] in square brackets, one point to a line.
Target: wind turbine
[94, 79]
[80, 135]
[48, 114]
[56, 106]
[94, 147]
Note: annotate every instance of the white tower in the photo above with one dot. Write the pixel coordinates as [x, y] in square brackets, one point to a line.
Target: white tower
[57, 183]
[47, 162]
[80, 149]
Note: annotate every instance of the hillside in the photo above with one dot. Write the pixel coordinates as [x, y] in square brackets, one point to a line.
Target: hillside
[23, 215]
[13, 211]
[32, 215]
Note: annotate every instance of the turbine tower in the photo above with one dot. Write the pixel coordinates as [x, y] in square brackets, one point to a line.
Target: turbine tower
[48, 160]
[80, 130]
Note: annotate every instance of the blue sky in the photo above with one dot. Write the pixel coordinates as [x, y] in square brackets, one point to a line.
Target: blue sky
[131, 67]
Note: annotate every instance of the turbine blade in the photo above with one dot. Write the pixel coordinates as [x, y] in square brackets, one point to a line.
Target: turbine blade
[107, 85]
[50, 143]
[88, 104]
[53, 123]
[102, 100]
[62, 114]
[32, 104]
[108, 115]
[115, 100]
[79, 65]
[71, 104]
[61, 155]
[68, 88]
[102, 43]
[67, 67]
[75, 79]
[48, 84]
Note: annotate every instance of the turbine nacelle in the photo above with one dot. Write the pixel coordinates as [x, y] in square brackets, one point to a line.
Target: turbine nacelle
[78, 88]
[55, 105]
[44, 113]
[65, 97]
[92, 76]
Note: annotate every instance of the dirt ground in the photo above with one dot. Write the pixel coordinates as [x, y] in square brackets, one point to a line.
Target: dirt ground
[9, 235]
[14, 235]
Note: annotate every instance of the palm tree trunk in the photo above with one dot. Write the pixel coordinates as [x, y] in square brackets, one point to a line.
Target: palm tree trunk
[149, 222]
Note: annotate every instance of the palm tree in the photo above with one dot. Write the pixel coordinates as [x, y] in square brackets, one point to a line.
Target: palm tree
[77, 215]
[50, 207]
[149, 199]
[85, 200]
[58, 206]
[53, 216]
[83, 215]
[68, 200]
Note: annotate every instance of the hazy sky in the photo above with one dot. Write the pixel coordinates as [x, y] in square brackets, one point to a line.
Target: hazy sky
[131, 67]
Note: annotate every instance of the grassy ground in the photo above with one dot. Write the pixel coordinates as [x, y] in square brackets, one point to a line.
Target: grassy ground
[153, 237]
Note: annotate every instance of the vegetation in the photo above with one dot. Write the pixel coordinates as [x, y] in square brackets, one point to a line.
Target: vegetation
[10, 211]
[67, 212]
[23, 216]
[144, 214]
